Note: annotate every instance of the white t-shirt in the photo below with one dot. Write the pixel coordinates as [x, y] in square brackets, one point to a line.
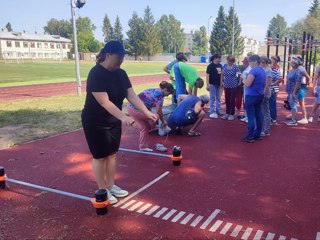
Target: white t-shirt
[302, 69]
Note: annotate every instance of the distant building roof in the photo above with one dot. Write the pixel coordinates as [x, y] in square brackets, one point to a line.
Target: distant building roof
[32, 37]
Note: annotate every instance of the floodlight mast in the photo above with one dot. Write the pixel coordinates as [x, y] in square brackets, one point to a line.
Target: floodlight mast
[74, 4]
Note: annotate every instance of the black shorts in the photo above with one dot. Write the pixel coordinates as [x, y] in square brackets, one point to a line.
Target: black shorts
[103, 138]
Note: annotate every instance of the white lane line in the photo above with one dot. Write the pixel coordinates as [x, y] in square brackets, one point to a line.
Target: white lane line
[236, 231]
[282, 237]
[128, 204]
[258, 235]
[318, 236]
[293, 239]
[187, 218]
[169, 214]
[141, 189]
[154, 208]
[134, 207]
[226, 228]
[196, 221]
[178, 216]
[246, 234]
[270, 236]
[158, 214]
[215, 226]
[210, 218]
[145, 207]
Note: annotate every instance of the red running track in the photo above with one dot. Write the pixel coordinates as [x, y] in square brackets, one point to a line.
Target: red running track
[224, 189]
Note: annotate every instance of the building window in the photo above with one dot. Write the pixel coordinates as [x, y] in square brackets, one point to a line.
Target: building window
[46, 45]
[69, 46]
[17, 44]
[52, 45]
[39, 45]
[9, 44]
[25, 44]
[63, 45]
[33, 44]
[58, 45]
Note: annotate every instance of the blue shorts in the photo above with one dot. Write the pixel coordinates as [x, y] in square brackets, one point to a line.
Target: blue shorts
[189, 118]
[302, 93]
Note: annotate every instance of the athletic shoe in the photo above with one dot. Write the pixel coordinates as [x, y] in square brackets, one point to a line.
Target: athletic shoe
[289, 117]
[257, 138]
[310, 119]
[146, 149]
[220, 112]
[245, 119]
[248, 140]
[230, 117]
[118, 192]
[263, 134]
[213, 115]
[111, 198]
[225, 116]
[273, 122]
[292, 123]
[303, 121]
[161, 147]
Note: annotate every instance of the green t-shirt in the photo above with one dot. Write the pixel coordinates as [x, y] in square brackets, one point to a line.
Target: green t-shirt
[189, 73]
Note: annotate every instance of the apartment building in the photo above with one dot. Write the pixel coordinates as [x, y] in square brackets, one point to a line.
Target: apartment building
[22, 45]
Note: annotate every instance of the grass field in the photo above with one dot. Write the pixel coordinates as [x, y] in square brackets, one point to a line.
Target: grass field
[28, 72]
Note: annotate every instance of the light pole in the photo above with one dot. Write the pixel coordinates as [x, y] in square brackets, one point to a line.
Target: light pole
[233, 28]
[74, 4]
[208, 35]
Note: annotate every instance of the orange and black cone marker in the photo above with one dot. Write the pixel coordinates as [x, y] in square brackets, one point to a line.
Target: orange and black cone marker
[2, 178]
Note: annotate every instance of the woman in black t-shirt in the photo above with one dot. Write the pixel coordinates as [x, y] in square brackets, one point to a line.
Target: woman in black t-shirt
[107, 86]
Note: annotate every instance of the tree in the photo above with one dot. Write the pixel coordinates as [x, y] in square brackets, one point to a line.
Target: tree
[107, 29]
[200, 42]
[278, 25]
[238, 40]
[84, 25]
[314, 9]
[135, 38]
[8, 27]
[94, 46]
[218, 34]
[117, 30]
[151, 35]
[62, 28]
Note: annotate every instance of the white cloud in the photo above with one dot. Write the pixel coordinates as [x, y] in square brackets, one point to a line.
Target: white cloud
[190, 27]
[257, 32]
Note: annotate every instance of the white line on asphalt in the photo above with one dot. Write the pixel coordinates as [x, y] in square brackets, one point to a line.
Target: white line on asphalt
[196, 221]
[282, 237]
[178, 216]
[187, 218]
[141, 189]
[226, 228]
[246, 234]
[318, 236]
[134, 207]
[141, 210]
[236, 231]
[210, 218]
[258, 235]
[215, 226]
[158, 214]
[154, 208]
[169, 214]
[128, 204]
[270, 236]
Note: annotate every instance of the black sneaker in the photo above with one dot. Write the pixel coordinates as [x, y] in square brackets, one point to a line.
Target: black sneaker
[248, 140]
[257, 138]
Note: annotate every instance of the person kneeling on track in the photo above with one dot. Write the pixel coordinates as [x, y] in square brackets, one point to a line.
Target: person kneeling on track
[188, 112]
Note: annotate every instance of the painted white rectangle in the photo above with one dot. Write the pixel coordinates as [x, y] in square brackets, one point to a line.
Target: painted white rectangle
[158, 214]
[134, 207]
[225, 228]
[169, 214]
[210, 218]
[178, 216]
[128, 204]
[318, 236]
[270, 236]
[154, 208]
[282, 237]
[145, 207]
[187, 219]
[215, 226]
[258, 235]
[236, 231]
[246, 234]
[293, 239]
[196, 221]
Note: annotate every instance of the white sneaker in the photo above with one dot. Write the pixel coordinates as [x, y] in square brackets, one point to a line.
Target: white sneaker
[146, 149]
[303, 121]
[111, 198]
[264, 134]
[310, 119]
[292, 123]
[245, 119]
[230, 117]
[161, 147]
[289, 117]
[118, 192]
[213, 115]
[163, 131]
[225, 116]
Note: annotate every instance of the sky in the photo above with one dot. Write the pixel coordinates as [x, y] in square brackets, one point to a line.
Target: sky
[254, 16]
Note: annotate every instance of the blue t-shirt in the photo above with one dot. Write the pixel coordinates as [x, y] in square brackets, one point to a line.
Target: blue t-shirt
[293, 77]
[178, 115]
[259, 82]
[230, 76]
[170, 65]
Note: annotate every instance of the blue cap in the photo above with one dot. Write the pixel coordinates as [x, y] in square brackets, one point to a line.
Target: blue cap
[114, 47]
[204, 98]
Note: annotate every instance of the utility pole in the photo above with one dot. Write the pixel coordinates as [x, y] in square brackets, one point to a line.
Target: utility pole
[233, 28]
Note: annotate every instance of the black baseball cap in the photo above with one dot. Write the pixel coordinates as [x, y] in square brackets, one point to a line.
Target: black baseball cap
[115, 47]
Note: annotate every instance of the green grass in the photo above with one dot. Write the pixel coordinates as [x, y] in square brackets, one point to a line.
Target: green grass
[28, 72]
